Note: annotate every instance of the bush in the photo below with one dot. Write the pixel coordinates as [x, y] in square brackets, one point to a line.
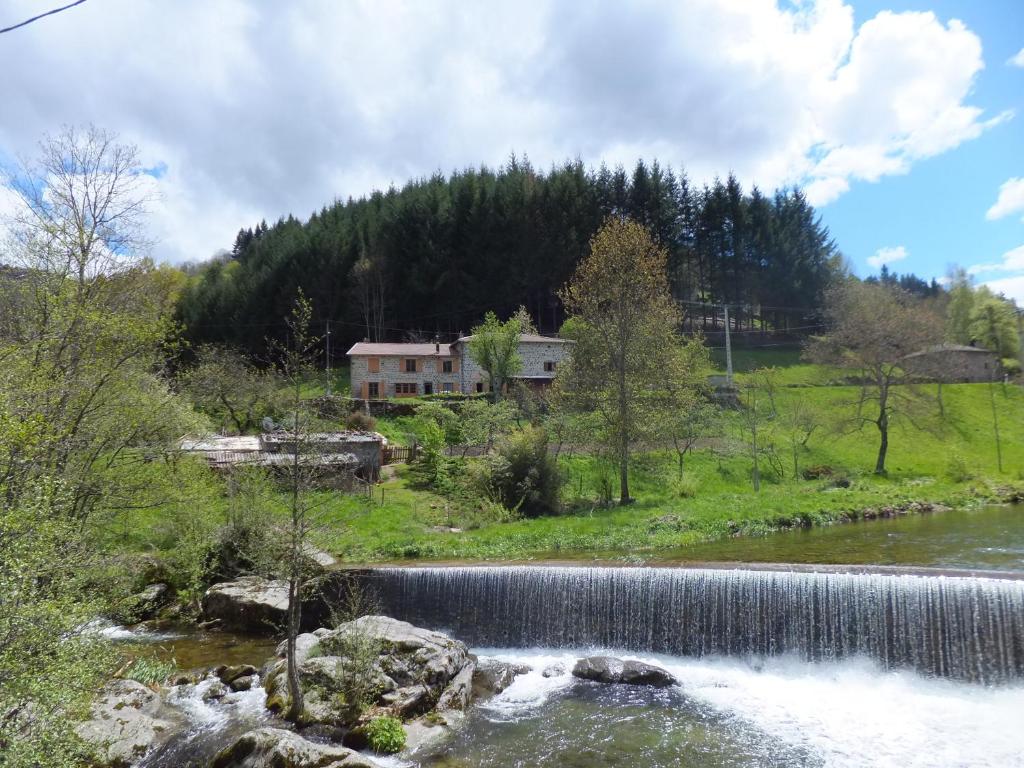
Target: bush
[957, 469]
[149, 671]
[524, 477]
[818, 472]
[359, 421]
[385, 735]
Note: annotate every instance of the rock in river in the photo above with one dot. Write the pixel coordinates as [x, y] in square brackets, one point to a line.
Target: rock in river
[249, 603]
[391, 664]
[127, 721]
[608, 669]
[278, 748]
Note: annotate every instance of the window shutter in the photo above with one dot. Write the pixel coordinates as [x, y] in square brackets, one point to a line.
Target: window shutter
[373, 365]
[419, 365]
[455, 365]
[366, 390]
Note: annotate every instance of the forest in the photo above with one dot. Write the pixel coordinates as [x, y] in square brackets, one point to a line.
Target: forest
[430, 258]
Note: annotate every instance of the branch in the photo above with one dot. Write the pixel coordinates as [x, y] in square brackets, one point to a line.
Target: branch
[40, 16]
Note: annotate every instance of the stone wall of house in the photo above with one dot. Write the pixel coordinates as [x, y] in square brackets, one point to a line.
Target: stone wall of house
[955, 366]
[534, 355]
[392, 371]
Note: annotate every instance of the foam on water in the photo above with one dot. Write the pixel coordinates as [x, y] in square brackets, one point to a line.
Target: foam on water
[849, 714]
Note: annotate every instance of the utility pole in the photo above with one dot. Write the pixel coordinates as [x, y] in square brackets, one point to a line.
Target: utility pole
[327, 336]
[728, 347]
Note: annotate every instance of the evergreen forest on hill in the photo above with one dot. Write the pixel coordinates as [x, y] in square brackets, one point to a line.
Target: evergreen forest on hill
[430, 258]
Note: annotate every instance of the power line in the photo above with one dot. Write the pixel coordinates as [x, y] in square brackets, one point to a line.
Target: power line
[40, 16]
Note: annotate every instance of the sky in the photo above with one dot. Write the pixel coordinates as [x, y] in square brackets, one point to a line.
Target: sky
[902, 120]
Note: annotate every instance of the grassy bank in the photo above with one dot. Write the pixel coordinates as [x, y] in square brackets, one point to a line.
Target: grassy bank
[952, 462]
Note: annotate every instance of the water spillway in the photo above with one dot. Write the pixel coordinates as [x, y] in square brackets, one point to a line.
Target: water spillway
[956, 627]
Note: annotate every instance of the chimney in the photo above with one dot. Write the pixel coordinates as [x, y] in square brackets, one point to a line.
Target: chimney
[366, 339]
[437, 346]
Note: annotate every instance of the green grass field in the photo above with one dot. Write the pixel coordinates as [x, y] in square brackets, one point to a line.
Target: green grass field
[949, 460]
[952, 462]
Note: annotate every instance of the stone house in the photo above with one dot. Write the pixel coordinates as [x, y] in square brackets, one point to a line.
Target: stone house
[952, 363]
[383, 370]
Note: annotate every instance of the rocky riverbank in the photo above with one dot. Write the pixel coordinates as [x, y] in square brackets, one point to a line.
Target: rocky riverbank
[369, 686]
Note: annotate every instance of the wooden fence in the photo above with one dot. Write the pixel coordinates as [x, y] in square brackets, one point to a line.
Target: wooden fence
[397, 454]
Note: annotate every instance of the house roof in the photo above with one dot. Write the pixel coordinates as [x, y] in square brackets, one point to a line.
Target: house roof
[384, 349]
[941, 348]
[413, 350]
[529, 338]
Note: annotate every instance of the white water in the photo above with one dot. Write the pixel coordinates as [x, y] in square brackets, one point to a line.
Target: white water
[847, 714]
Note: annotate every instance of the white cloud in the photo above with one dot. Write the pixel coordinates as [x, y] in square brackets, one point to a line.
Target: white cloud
[1011, 287]
[263, 109]
[1017, 60]
[1010, 200]
[887, 256]
[1013, 261]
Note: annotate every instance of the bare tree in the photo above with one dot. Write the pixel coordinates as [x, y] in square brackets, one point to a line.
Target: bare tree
[872, 329]
[370, 283]
[296, 357]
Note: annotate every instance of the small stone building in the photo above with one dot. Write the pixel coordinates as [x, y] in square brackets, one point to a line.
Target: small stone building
[952, 363]
[383, 370]
[340, 454]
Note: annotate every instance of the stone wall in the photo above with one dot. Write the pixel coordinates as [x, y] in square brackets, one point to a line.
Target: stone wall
[534, 355]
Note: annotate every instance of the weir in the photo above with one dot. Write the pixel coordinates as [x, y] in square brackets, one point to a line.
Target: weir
[957, 627]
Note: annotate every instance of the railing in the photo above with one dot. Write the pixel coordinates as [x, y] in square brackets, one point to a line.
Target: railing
[396, 454]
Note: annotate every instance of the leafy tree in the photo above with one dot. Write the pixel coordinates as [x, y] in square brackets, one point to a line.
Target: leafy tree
[84, 411]
[872, 328]
[494, 346]
[629, 365]
[697, 419]
[524, 476]
[481, 423]
[230, 390]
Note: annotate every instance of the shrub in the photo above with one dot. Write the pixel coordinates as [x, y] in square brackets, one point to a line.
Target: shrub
[385, 734]
[524, 477]
[148, 670]
[957, 469]
[360, 421]
[818, 472]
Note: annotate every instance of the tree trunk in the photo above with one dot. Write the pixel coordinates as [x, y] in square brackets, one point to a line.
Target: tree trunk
[624, 471]
[995, 427]
[883, 445]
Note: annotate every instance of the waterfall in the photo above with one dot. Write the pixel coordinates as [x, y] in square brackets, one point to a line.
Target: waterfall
[957, 627]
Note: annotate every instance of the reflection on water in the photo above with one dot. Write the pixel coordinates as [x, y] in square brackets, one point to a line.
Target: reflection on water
[988, 538]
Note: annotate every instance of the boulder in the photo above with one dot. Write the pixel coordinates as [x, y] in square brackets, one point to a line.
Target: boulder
[126, 722]
[278, 748]
[228, 674]
[244, 683]
[608, 669]
[381, 662]
[555, 670]
[492, 677]
[458, 692]
[250, 604]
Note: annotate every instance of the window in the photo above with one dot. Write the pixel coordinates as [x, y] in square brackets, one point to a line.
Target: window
[405, 388]
[479, 386]
[446, 366]
[446, 386]
[410, 365]
[373, 364]
[428, 388]
[549, 366]
[373, 389]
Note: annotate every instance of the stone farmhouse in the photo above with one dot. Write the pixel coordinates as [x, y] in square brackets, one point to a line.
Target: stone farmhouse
[383, 370]
[954, 363]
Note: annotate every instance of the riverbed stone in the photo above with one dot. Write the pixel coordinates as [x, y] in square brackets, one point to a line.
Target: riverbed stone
[608, 669]
[249, 603]
[243, 683]
[278, 748]
[127, 720]
[491, 677]
[229, 674]
[399, 668]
